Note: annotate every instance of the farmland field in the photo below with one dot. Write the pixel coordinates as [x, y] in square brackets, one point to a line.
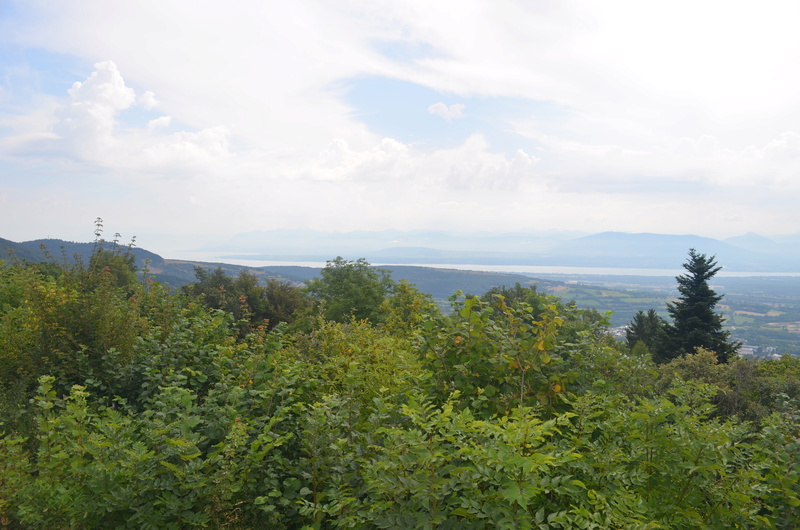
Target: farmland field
[760, 311]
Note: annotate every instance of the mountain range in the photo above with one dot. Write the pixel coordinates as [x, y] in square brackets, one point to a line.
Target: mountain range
[749, 252]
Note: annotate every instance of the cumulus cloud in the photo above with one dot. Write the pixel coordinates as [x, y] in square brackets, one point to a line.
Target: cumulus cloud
[88, 127]
[89, 119]
[191, 149]
[387, 160]
[450, 113]
[784, 147]
[159, 123]
[619, 133]
[691, 167]
[104, 88]
[470, 166]
[148, 100]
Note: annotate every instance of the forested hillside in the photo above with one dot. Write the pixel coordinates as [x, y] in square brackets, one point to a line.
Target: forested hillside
[764, 312]
[354, 402]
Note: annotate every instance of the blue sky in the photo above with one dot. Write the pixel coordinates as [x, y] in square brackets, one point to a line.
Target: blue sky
[172, 117]
[403, 110]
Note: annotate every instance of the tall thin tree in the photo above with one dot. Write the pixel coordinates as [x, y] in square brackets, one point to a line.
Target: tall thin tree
[694, 320]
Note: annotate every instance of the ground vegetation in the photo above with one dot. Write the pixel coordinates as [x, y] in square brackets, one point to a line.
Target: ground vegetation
[128, 405]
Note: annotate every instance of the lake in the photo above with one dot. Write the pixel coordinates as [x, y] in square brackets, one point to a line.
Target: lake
[523, 269]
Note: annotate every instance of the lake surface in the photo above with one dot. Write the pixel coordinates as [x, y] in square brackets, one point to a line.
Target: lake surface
[522, 269]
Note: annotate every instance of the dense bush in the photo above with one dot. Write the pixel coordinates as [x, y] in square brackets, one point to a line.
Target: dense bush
[127, 406]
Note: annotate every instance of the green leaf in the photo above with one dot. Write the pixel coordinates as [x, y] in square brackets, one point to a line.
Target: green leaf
[512, 492]
[461, 512]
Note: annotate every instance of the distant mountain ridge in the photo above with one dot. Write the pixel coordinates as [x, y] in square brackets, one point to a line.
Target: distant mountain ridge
[58, 249]
[644, 250]
[754, 242]
[441, 283]
[749, 252]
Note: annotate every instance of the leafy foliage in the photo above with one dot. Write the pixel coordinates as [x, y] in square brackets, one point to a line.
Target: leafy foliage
[350, 289]
[126, 406]
[406, 309]
[243, 297]
[496, 356]
[84, 320]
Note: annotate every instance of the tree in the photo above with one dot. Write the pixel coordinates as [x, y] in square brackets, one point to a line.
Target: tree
[406, 309]
[518, 294]
[694, 322]
[120, 268]
[281, 302]
[245, 298]
[575, 321]
[350, 289]
[648, 329]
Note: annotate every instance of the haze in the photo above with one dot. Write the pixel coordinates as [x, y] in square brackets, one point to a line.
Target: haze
[170, 117]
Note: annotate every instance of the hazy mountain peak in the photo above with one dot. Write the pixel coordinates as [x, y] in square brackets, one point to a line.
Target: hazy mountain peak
[754, 242]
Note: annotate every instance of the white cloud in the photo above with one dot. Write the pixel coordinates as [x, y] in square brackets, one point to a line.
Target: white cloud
[87, 128]
[159, 123]
[88, 121]
[452, 112]
[387, 160]
[148, 100]
[641, 111]
[190, 149]
[104, 88]
[470, 166]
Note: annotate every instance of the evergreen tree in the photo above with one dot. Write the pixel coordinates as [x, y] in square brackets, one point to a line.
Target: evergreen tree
[694, 322]
[650, 330]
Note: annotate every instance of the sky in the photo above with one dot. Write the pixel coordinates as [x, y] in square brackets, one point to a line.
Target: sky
[210, 118]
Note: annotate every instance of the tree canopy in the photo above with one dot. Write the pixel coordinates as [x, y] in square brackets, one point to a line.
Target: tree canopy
[250, 302]
[350, 289]
[135, 407]
[695, 324]
[648, 329]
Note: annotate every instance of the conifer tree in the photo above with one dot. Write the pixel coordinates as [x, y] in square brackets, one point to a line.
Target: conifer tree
[650, 330]
[694, 321]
